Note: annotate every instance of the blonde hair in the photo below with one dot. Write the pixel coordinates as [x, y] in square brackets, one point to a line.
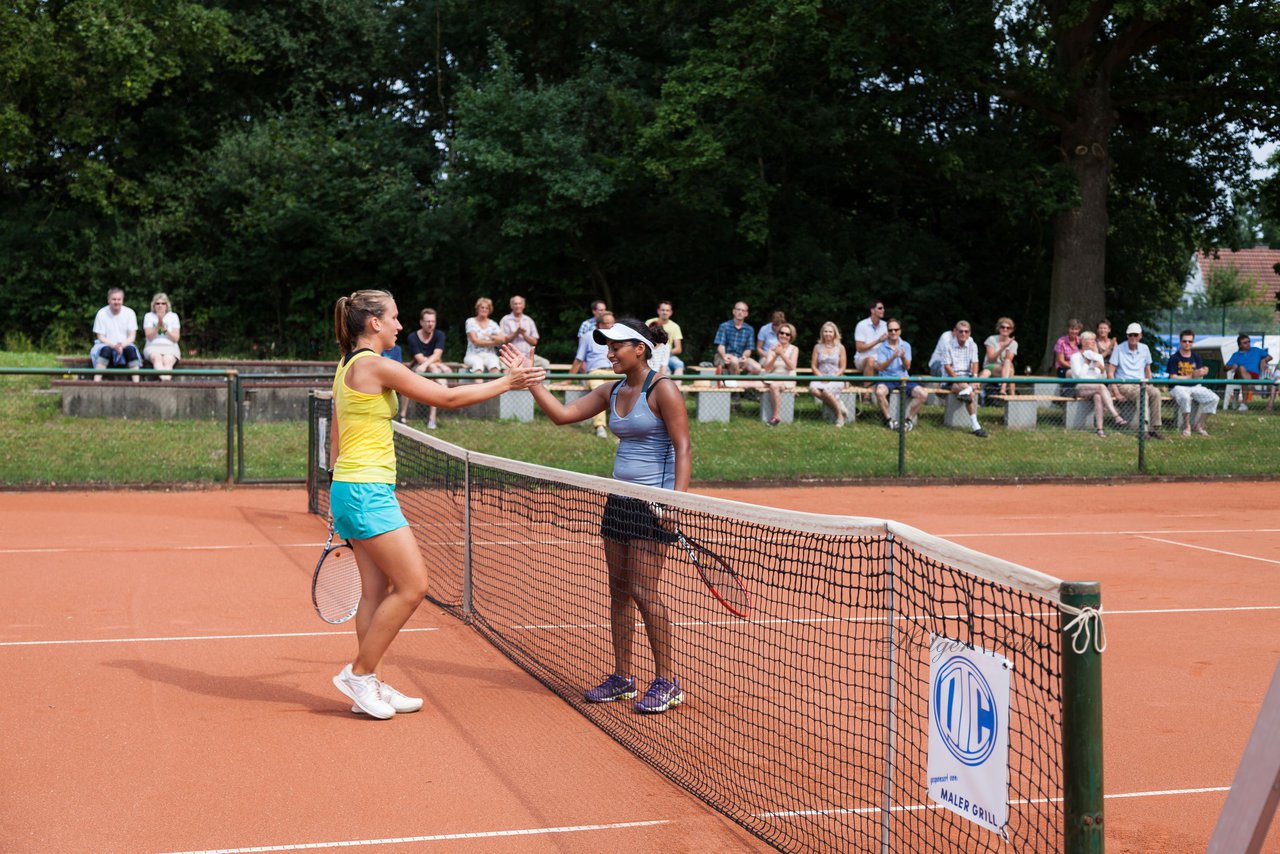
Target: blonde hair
[1003, 320]
[787, 327]
[351, 315]
[162, 296]
[823, 328]
[485, 301]
[1088, 336]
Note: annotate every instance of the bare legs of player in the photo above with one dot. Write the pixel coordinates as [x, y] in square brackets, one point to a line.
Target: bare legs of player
[635, 570]
[393, 582]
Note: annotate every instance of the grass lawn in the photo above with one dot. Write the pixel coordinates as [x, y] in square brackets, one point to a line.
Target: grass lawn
[41, 446]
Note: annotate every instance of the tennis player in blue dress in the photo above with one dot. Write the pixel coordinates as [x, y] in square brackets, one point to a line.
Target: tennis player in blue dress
[647, 414]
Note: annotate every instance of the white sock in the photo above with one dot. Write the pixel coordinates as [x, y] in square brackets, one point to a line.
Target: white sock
[973, 419]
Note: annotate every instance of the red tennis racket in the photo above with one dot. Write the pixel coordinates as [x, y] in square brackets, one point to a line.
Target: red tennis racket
[724, 583]
[335, 585]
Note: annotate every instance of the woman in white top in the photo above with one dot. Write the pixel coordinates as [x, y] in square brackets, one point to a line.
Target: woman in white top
[659, 362]
[1088, 364]
[781, 359]
[1001, 348]
[162, 328]
[484, 337]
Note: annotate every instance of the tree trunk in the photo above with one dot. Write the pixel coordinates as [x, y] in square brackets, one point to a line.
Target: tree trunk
[1078, 285]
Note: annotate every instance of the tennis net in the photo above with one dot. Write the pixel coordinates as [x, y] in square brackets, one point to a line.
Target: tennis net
[807, 723]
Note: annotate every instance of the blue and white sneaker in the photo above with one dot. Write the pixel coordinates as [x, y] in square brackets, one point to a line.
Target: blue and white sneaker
[662, 695]
[613, 688]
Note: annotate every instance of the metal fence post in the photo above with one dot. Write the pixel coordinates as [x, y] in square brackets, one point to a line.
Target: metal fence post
[233, 383]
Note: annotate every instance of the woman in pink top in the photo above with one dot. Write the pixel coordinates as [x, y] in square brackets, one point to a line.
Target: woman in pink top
[1068, 345]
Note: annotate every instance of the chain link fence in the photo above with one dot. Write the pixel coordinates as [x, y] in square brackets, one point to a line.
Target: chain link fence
[62, 427]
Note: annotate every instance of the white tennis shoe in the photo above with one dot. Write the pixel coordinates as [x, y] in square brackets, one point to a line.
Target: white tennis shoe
[365, 691]
[402, 704]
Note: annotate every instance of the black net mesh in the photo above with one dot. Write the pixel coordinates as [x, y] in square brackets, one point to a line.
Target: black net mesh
[807, 723]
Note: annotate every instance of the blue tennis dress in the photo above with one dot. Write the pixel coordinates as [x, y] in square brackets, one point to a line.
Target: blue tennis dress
[645, 455]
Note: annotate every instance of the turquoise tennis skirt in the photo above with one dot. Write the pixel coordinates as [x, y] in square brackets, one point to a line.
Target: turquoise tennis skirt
[364, 510]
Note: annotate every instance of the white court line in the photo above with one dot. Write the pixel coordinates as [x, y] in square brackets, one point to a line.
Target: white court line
[958, 536]
[914, 807]
[346, 634]
[440, 837]
[152, 548]
[1207, 549]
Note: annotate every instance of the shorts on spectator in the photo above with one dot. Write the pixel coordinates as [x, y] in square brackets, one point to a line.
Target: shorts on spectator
[478, 363]
[892, 387]
[860, 359]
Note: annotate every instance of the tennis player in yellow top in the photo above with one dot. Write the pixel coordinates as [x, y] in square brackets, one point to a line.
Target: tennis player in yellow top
[362, 498]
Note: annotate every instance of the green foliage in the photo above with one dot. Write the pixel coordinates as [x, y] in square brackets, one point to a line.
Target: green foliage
[1225, 286]
[256, 160]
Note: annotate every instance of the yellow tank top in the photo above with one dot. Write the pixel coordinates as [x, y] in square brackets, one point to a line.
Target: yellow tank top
[366, 452]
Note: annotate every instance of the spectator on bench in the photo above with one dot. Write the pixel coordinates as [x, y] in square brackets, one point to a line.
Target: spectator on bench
[1106, 343]
[519, 329]
[1066, 346]
[1186, 364]
[767, 337]
[867, 336]
[593, 358]
[960, 360]
[589, 325]
[734, 340]
[939, 350]
[484, 337]
[780, 359]
[426, 356]
[115, 328]
[1131, 361]
[1001, 348]
[1247, 363]
[829, 360]
[675, 338]
[893, 359]
[1087, 364]
[162, 329]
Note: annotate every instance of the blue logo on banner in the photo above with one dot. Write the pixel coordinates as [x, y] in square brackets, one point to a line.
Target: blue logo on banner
[964, 710]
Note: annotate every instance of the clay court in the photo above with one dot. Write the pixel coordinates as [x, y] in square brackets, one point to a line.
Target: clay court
[177, 697]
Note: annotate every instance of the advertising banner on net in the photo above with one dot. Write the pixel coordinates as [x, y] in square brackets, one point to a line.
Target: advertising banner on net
[969, 732]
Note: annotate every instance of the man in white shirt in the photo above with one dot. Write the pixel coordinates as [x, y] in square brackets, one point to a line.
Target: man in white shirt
[522, 333]
[115, 328]
[1131, 360]
[869, 334]
[960, 359]
[675, 338]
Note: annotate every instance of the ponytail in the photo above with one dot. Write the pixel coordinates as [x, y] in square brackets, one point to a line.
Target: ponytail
[351, 316]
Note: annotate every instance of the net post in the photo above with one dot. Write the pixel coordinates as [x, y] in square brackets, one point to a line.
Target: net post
[1081, 724]
[886, 806]
[466, 540]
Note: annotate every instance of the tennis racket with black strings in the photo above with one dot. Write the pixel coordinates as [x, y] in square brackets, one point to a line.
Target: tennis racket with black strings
[335, 586]
[724, 583]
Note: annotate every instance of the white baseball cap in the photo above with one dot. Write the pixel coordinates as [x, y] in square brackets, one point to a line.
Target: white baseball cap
[619, 332]
[1133, 329]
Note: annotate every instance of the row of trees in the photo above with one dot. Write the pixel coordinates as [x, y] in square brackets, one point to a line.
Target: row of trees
[1037, 159]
